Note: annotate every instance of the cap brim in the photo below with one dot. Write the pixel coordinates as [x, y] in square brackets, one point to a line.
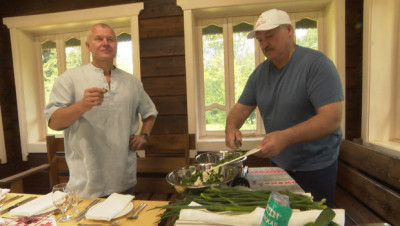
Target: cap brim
[252, 33]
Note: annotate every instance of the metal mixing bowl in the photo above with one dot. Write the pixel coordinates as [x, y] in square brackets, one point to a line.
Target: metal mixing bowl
[175, 177]
[214, 157]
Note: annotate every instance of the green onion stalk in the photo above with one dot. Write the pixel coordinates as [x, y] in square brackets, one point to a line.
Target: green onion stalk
[219, 199]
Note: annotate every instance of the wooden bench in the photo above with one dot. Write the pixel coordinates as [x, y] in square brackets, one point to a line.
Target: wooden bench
[368, 185]
[15, 182]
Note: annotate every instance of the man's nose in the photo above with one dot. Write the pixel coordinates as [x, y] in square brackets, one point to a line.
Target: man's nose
[105, 41]
[264, 44]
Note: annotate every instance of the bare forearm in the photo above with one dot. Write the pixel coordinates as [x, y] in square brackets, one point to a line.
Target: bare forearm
[64, 117]
[148, 124]
[234, 121]
[324, 123]
[237, 116]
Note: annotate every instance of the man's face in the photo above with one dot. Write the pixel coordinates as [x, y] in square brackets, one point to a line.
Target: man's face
[102, 43]
[273, 42]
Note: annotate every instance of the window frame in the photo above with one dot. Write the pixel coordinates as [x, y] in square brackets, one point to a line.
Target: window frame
[380, 106]
[333, 47]
[227, 26]
[27, 58]
[3, 154]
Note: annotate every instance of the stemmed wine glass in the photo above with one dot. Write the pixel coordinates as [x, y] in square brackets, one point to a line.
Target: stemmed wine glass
[73, 193]
[61, 200]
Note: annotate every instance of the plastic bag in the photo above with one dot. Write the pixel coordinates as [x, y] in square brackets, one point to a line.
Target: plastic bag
[278, 211]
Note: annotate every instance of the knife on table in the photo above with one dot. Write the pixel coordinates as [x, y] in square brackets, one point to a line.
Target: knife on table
[16, 205]
[83, 212]
[12, 199]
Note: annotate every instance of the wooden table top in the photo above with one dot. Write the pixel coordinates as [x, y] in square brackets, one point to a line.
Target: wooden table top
[147, 217]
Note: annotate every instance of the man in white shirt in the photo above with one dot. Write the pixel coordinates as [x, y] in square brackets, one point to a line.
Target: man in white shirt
[98, 107]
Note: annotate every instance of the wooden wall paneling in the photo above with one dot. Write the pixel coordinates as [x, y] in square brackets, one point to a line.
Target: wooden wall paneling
[170, 46]
[161, 27]
[354, 32]
[356, 213]
[163, 66]
[173, 124]
[160, 8]
[383, 201]
[170, 105]
[375, 164]
[165, 86]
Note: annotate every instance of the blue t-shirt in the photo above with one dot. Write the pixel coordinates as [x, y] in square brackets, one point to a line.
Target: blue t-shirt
[291, 95]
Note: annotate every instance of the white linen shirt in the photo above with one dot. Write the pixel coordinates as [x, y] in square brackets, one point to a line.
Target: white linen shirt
[97, 144]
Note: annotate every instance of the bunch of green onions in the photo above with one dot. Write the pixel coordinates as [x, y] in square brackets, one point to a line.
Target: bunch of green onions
[231, 199]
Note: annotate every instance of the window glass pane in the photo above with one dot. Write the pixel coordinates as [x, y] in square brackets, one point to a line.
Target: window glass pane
[50, 67]
[73, 53]
[214, 81]
[244, 63]
[215, 120]
[307, 33]
[124, 59]
[213, 61]
[50, 71]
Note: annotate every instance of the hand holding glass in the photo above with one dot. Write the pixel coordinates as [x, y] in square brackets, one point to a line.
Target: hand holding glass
[61, 200]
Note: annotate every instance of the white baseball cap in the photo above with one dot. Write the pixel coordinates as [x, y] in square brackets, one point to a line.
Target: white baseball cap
[269, 20]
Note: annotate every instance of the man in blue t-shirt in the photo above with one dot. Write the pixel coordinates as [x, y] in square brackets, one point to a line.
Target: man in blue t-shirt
[299, 95]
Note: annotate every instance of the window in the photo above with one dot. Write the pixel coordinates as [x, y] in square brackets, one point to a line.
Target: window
[219, 58]
[124, 52]
[227, 58]
[307, 33]
[381, 52]
[38, 40]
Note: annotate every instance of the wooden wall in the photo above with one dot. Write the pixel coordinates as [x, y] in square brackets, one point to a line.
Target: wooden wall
[163, 69]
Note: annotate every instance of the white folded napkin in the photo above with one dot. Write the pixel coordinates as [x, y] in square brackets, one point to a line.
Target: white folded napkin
[206, 218]
[36, 206]
[3, 192]
[111, 207]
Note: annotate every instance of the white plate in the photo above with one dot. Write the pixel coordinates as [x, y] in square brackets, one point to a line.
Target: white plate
[3, 197]
[125, 211]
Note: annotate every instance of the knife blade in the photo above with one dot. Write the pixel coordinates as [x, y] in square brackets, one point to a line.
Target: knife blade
[17, 204]
[83, 212]
[10, 200]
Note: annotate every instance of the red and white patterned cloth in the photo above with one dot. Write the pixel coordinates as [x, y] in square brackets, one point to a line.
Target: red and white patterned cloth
[271, 178]
[48, 220]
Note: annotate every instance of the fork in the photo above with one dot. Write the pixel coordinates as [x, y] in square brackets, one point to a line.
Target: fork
[137, 214]
[134, 211]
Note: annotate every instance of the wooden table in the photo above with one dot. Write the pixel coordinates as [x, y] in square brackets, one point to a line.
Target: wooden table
[146, 218]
